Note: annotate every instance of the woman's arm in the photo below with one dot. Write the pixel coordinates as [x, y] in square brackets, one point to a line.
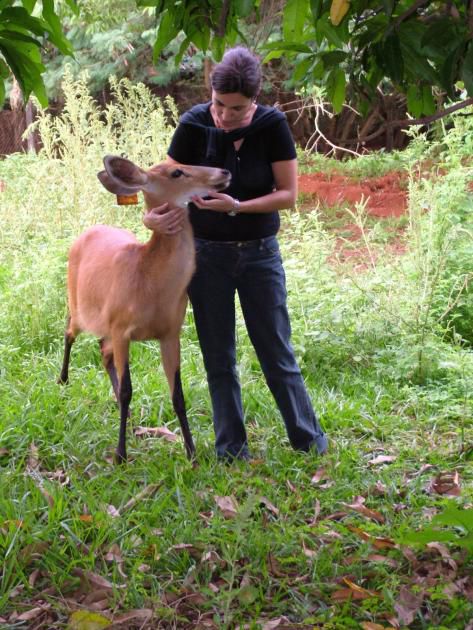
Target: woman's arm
[284, 195]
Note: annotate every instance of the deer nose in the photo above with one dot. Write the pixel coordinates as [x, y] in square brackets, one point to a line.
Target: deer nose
[224, 171]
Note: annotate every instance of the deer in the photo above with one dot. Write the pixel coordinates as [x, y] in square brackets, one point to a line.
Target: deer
[122, 290]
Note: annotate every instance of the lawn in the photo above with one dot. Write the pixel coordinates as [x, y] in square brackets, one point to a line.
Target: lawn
[376, 534]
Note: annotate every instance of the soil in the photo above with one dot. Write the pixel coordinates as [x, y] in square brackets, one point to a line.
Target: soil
[386, 195]
[385, 198]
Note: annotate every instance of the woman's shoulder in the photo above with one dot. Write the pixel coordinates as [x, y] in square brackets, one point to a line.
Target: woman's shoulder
[198, 114]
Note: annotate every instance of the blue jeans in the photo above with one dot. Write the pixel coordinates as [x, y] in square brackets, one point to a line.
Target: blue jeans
[254, 270]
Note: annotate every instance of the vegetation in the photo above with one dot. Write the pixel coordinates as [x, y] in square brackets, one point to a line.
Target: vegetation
[22, 38]
[286, 540]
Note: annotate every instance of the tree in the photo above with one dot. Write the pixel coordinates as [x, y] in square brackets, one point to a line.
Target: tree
[22, 38]
[422, 49]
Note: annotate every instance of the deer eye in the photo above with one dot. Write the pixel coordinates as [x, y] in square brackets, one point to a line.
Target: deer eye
[177, 173]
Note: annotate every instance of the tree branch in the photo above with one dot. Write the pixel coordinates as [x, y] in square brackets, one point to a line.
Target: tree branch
[414, 121]
[409, 12]
[222, 25]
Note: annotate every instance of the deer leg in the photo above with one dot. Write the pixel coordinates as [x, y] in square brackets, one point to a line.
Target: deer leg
[171, 357]
[120, 358]
[109, 365]
[69, 339]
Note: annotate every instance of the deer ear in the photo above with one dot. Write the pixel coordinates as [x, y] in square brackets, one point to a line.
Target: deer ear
[121, 176]
[113, 186]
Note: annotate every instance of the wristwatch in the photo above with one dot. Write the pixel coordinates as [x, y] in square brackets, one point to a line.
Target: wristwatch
[236, 208]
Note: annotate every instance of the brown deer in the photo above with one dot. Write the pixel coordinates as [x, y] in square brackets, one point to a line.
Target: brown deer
[122, 290]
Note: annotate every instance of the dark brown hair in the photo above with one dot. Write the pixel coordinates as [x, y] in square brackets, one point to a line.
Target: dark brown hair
[239, 71]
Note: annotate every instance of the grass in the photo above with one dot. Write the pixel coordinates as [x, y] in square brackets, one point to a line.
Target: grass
[304, 542]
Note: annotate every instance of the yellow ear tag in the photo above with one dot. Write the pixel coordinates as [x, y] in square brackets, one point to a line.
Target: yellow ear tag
[127, 200]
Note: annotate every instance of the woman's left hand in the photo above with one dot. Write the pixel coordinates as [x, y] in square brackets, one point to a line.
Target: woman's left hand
[220, 202]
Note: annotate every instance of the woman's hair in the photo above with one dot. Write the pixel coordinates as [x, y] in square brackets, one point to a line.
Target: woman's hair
[239, 71]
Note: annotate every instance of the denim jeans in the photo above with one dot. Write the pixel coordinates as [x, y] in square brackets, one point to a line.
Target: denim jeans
[254, 270]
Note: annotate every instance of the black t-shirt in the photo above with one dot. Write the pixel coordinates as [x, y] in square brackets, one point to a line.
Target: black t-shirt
[252, 174]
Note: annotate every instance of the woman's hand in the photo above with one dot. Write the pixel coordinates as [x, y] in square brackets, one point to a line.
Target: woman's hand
[164, 221]
[220, 202]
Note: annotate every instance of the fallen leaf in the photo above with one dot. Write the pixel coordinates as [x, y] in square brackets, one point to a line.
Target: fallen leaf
[407, 605]
[30, 614]
[190, 548]
[368, 625]
[112, 511]
[137, 615]
[4, 452]
[163, 432]
[358, 506]
[87, 620]
[447, 484]
[377, 541]
[313, 520]
[310, 553]
[146, 492]
[272, 508]
[320, 473]
[93, 580]
[273, 623]
[227, 505]
[382, 459]
[86, 518]
[33, 457]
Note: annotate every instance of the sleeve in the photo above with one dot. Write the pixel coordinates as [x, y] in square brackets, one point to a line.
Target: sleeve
[180, 148]
[280, 142]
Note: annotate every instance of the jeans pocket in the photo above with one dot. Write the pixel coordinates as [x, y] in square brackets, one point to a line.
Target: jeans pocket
[271, 246]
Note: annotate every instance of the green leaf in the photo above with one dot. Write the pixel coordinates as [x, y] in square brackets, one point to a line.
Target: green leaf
[301, 69]
[2, 92]
[392, 57]
[56, 34]
[335, 35]
[316, 9]
[166, 33]
[428, 103]
[29, 5]
[294, 17]
[336, 86]
[467, 70]
[333, 58]
[414, 101]
[86, 620]
[4, 70]
[448, 72]
[287, 46]
[243, 8]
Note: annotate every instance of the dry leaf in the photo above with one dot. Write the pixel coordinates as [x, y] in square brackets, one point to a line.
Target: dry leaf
[93, 580]
[358, 506]
[310, 553]
[313, 520]
[408, 605]
[137, 615]
[86, 518]
[33, 457]
[447, 484]
[274, 623]
[368, 625]
[319, 474]
[163, 432]
[382, 459]
[377, 541]
[227, 505]
[146, 492]
[191, 549]
[4, 451]
[30, 614]
[272, 508]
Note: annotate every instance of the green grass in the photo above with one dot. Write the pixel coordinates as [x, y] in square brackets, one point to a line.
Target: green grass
[386, 373]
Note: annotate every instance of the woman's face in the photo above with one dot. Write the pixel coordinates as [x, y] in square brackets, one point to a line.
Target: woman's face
[232, 110]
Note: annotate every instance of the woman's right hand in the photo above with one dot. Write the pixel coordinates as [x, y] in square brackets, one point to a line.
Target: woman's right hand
[164, 221]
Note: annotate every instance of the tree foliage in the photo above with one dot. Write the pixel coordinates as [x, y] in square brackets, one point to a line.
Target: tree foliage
[421, 48]
[25, 30]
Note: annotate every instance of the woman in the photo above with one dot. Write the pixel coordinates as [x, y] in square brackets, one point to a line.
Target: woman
[237, 250]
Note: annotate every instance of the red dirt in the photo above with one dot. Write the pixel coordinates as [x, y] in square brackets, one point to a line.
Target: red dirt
[386, 195]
